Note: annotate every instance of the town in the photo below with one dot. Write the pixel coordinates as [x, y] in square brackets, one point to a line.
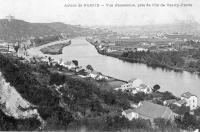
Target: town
[155, 50]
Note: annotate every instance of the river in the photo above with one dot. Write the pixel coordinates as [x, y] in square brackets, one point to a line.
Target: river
[85, 53]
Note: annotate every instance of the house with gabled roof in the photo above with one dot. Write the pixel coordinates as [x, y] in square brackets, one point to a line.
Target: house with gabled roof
[190, 99]
[131, 84]
[150, 111]
[129, 114]
[134, 86]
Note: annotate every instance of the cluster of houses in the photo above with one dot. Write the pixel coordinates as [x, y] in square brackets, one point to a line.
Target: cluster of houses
[134, 86]
[113, 47]
[19, 48]
[187, 99]
[96, 75]
[143, 43]
[73, 66]
[6, 47]
[149, 109]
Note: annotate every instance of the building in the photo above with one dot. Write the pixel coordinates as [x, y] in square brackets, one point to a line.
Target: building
[69, 64]
[130, 114]
[115, 48]
[190, 99]
[130, 49]
[149, 111]
[169, 102]
[96, 75]
[141, 49]
[180, 103]
[9, 18]
[135, 85]
[144, 88]
[135, 82]
[126, 42]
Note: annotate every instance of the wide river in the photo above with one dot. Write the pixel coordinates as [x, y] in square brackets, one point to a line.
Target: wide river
[85, 53]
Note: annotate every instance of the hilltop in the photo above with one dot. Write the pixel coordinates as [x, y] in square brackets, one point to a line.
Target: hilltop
[19, 29]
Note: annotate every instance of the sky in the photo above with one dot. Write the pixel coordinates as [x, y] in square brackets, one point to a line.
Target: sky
[54, 11]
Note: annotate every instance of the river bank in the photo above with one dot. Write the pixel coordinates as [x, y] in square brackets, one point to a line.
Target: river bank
[155, 64]
[54, 49]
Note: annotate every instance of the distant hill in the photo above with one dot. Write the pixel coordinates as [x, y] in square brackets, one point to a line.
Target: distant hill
[180, 27]
[17, 29]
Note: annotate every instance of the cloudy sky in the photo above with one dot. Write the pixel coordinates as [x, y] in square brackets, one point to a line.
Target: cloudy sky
[54, 10]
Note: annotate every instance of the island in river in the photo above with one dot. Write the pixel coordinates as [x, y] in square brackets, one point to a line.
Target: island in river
[55, 49]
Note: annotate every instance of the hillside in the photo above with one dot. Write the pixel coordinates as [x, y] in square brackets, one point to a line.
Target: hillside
[17, 29]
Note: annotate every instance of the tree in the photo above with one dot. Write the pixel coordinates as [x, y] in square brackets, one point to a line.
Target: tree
[156, 87]
[163, 123]
[180, 110]
[16, 48]
[89, 67]
[10, 123]
[139, 97]
[75, 62]
[50, 60]
[197, 112]
[82, 72]
[57, 79]
[167, 96]
[187, 121]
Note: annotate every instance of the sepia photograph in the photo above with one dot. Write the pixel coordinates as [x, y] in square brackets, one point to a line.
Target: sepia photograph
[100, 65]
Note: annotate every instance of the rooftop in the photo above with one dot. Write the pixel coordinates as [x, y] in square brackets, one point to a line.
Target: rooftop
[128, 111]
[143, 86]
[181, 102]
[170, 101]
[151, 110]
[187, 95]
[135, 80]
